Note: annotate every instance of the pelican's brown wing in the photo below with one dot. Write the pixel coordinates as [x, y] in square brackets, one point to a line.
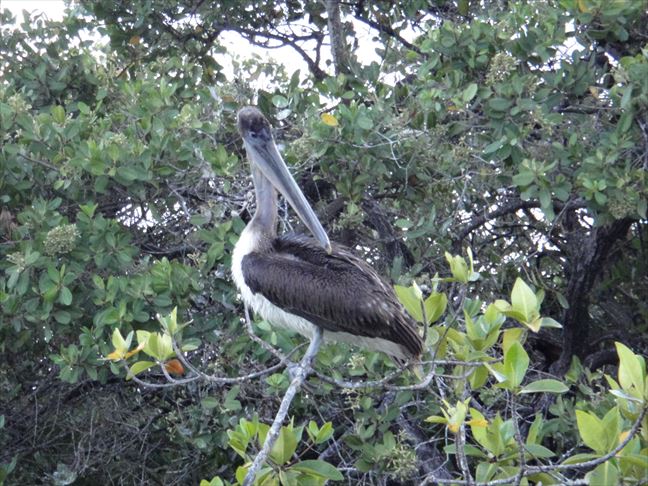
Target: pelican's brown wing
[338, 292]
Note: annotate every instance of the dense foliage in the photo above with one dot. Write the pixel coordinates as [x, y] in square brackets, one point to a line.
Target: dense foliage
[496, 157]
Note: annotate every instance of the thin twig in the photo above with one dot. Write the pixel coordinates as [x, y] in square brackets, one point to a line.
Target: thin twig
[301, 372]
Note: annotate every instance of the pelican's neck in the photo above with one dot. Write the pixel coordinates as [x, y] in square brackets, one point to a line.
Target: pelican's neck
[265, 216]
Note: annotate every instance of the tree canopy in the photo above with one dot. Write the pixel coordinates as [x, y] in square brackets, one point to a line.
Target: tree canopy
[492, 164]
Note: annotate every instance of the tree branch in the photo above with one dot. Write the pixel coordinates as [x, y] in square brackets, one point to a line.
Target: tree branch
[303, 370]
[336, 34]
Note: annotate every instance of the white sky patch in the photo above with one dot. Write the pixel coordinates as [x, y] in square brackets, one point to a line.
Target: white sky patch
[53, 9]
[234, 44]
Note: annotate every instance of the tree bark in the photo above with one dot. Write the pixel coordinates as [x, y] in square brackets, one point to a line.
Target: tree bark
[589, 255]
[336, 34]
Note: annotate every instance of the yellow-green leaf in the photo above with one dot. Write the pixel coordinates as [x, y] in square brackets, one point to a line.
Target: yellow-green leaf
[545, 386]
[510, 336]
[516, 363]
[435, 306]
[591, 431]
[632, 371]
[407, 297]
[139, 367]
[524, 300]
[605, 474]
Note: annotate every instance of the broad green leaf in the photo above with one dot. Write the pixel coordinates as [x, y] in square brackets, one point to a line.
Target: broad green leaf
[319, 469]
[578, 458]
[539, 451]
[632, 371]
[591, 431]
[325, 433]
[65, 296]
[138, 367]
[496, 370]
[209, 403]
[605, 474]
[284, 447]
[500, 104]
[435, 306]
[241, 472]
[407, 297]
[485, 471]
[545, 386]
[470, 92]
[279, 101]
[58, 114]
[510, 336]
[478, 377]
[524, 300]
[118, 341]
[516, 362]
[611, 423]
[458, 267]
[364, 122]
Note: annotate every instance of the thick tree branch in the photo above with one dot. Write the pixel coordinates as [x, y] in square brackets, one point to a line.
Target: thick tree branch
[587, 262]
[336, 34]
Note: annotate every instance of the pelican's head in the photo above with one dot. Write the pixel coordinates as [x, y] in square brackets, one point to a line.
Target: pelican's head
[263, 154]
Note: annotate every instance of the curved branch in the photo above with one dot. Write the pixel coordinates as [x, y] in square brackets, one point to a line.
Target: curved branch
[250, 35]
[387, 30]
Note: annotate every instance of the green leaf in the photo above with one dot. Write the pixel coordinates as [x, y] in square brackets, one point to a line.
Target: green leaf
[578, 458]
[279, 101]
[545, 386]
[324, 433]
[62, 317]
[458, 267]
[65, 296]
[138, 367]
[534, 430]
[209, 403]
[284, 447]
[539, 451]
[516, 362]
[494, 146]
[627, 97]
[485, 471]
[500, 104]
[523, 300]
[435, 306]
[118, 341]
[58, 114]
[364, 122]
[549, 322]
[318, 469]
[591, 431]
[632, 371]
[470, 92]
[611, 423]
[605, 474]
[407, 297]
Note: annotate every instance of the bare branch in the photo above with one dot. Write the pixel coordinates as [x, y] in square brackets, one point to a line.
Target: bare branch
[301, 372]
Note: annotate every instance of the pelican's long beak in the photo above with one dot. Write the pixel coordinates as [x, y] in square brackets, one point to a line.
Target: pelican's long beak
[262, 152]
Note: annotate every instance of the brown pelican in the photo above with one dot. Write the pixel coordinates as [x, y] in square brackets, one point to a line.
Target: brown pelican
[296, 282]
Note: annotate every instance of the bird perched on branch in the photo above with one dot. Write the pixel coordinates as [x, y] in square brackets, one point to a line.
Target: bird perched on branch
[297, 282]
